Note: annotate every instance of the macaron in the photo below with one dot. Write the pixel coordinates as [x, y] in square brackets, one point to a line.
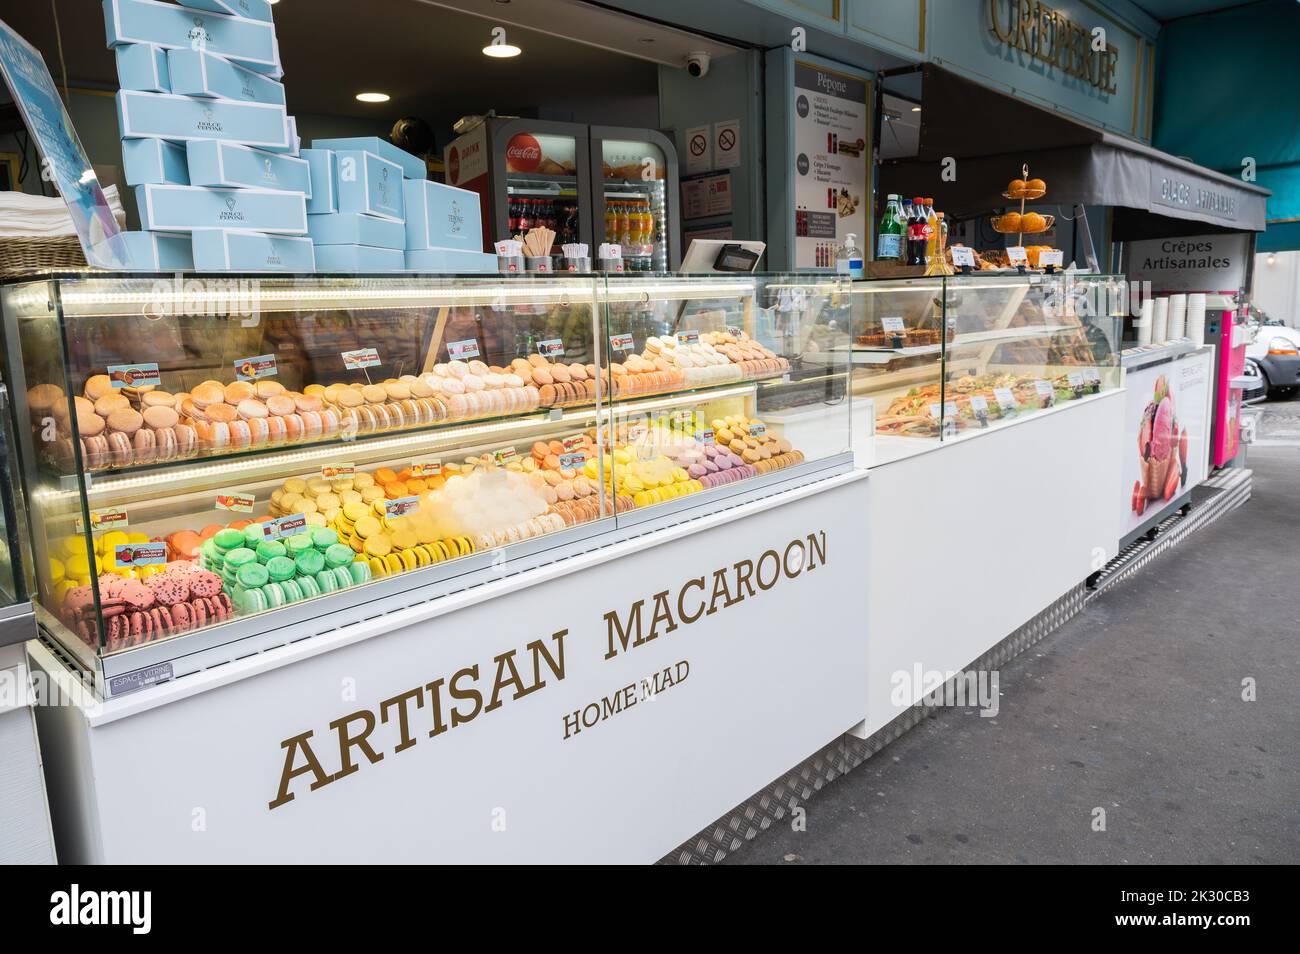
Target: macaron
[281, 568]
[326, 581]
[310, 562]
[308, 587]
[240, 557]
[341, 576]
[292, 591]
[226, 540]
[299, 543]
[322, 538]
[250, 601]
[274, 595]
[268, 550]
[339, 554]
[252, 575]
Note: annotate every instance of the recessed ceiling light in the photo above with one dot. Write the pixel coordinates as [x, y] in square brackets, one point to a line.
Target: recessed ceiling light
[373, 97]
[501, 50]
[916, 109]
[646, 39]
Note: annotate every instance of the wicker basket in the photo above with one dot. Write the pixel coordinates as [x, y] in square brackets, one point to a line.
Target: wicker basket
[21, 257]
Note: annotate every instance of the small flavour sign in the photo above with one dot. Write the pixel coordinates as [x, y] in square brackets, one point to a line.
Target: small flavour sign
[426, 468]
[250, 369]
[891, 324]
[284, 526]
[235, 501]
[757, 430]
[334, 471]
[550, 348]
[401, 506]
[1006, 400]
[460, 350]
[979, 404]
[134, 375]
[963, 256]
[140, 554]
[688, 337]
[573, 461]
[706, 436]
[106, 518]
[1016, 255]
[1053, 257]
[622, 342]
[505, 455]
[361, 358]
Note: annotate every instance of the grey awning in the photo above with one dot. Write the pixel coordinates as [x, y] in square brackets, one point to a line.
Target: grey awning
[992, 135]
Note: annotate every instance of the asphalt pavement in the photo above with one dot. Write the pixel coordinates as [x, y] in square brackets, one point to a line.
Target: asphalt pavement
[1159, 726]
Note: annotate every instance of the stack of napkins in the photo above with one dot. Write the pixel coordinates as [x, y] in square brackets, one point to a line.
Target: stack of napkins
[206, 139]
[40, 216]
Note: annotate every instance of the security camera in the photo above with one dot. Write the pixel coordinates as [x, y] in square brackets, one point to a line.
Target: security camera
[697, 64]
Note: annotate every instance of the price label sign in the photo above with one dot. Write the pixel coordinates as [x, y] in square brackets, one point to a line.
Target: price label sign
[334, 471]
[426, 468]
[574, 444]
[1006, 400]
[1043, 388]
[361, 358]
[550, 348]
[505, 455]
[949, 409]
[706, 436]
[105, 519]
[235, 501]
[1016, 255]
[757, 430]
[962, 255]
[1075, 378]
[979, 404]
[401, 507]
[622, 342]
[891, 324]
[1054, 257]
[573, 460]
[134, 375]
[1092, 375]
[250, 369]
[140, 554]
[285, 526]
[462, 350]
[688, 337]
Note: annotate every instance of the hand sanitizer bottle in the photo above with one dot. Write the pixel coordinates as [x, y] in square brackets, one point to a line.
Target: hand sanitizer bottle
[848, 258]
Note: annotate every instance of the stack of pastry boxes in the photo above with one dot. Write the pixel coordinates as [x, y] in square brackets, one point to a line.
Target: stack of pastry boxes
[206, 139]
[373, 209]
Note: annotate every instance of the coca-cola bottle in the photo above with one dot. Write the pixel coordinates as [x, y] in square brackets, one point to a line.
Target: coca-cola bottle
[525, 220]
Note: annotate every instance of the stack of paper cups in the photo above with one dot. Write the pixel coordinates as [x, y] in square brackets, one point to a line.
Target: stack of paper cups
[1177, 316]
[1196, 317]
[1160, 327]
[1146, 321]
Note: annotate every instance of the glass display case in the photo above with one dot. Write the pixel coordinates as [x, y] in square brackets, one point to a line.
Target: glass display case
[16, 623]
[940, 358]
[215, 466]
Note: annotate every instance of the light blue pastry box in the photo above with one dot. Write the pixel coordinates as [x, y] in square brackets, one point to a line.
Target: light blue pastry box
[363, 182]
[441, 216]
[353, 228]
[154, 161]
[173, 208]
[143, 67]
[196, 73]
[323, 199]
[234, 250]
[359, 258]
[169, 116]
[294, 147]
[251, 42]
[450, 260]
[230, 165]
[155, 251]
[413, 167]
[253, 9]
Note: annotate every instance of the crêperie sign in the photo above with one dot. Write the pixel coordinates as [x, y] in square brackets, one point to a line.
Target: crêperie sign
[1051, 37]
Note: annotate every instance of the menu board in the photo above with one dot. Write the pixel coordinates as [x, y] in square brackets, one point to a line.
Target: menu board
[831, 156]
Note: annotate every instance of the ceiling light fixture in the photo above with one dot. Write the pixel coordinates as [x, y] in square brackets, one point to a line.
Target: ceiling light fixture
[501, 50]
[373, 97]
[916, 109]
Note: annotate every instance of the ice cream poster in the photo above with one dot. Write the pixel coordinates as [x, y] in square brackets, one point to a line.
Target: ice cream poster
[1166, 445]
[63, 159]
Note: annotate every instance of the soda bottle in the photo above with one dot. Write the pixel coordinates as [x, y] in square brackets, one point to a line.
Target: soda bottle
[625, 223]
[914, 234]
[889, 237]
[931, 231]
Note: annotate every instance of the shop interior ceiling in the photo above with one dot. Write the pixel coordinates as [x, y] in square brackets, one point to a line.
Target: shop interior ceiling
[426, 54]
[1166, 10]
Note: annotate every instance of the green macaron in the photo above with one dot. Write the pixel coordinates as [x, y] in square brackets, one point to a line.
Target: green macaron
[253, 535]
[227, 539]
[325, 580]
[274, 595]
[339, 554]
[267, 550]
[299, 543]
[281, 568]
[310, 562]
[341, 576]
[252, 575]
[308, 587]
[322, 538]
[360, 571]
[241, 556]
[292, 591]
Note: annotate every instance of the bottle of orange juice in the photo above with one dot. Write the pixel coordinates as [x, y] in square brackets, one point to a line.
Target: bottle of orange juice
[611, 222]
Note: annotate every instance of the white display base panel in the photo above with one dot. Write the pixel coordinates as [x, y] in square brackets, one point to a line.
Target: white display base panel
[972, 539]
[186, 771]
[25, 834]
